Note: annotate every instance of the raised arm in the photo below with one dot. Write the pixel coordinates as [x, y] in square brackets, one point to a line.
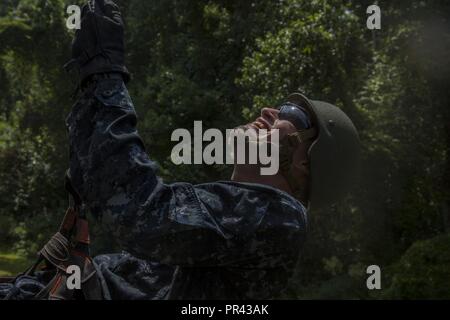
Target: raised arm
[109, 166]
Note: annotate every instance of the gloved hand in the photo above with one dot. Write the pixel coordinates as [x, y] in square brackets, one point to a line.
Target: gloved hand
[98, 46]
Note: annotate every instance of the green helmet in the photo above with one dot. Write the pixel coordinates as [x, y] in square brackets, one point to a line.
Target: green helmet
[334, 153]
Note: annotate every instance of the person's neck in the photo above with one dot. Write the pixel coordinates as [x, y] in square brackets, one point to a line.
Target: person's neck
[251, 174]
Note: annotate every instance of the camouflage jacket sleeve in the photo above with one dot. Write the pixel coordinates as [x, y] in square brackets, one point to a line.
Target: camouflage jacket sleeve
[118, 184]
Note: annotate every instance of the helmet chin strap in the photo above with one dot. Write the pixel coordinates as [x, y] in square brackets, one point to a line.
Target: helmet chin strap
[288, 145]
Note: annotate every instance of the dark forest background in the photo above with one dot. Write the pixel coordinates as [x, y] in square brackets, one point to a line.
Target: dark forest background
[220, 61]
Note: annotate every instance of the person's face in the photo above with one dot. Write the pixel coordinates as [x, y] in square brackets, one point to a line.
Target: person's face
[261, 131]
[269, 120]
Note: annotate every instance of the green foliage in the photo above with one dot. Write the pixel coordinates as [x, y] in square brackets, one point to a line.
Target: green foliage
[221, 62]
[423, 271]
[316, 52]
[12, 264]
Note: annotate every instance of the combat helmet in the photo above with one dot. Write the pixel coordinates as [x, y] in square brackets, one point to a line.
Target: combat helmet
[333, 155]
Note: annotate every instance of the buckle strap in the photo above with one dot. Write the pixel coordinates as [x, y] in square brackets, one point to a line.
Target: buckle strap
[287, 150]
[82, 234]
[68, 222]
[302, 135]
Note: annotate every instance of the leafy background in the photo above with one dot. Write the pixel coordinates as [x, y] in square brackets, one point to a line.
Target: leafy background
[221, 61]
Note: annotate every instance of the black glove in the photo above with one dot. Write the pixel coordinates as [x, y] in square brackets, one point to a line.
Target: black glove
[98, 47]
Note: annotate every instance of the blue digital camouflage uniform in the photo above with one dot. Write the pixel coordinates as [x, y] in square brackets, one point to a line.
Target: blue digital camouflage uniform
[221, 240]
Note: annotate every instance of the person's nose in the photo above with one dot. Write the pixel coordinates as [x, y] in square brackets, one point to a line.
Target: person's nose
[270, 114]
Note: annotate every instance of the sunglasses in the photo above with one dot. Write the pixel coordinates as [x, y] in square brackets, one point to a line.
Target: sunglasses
[295, 114]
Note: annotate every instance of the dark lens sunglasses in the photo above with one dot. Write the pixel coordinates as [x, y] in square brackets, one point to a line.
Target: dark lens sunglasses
[295, 114]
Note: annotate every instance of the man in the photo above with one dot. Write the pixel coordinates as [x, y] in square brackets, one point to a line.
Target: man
[238, 239]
